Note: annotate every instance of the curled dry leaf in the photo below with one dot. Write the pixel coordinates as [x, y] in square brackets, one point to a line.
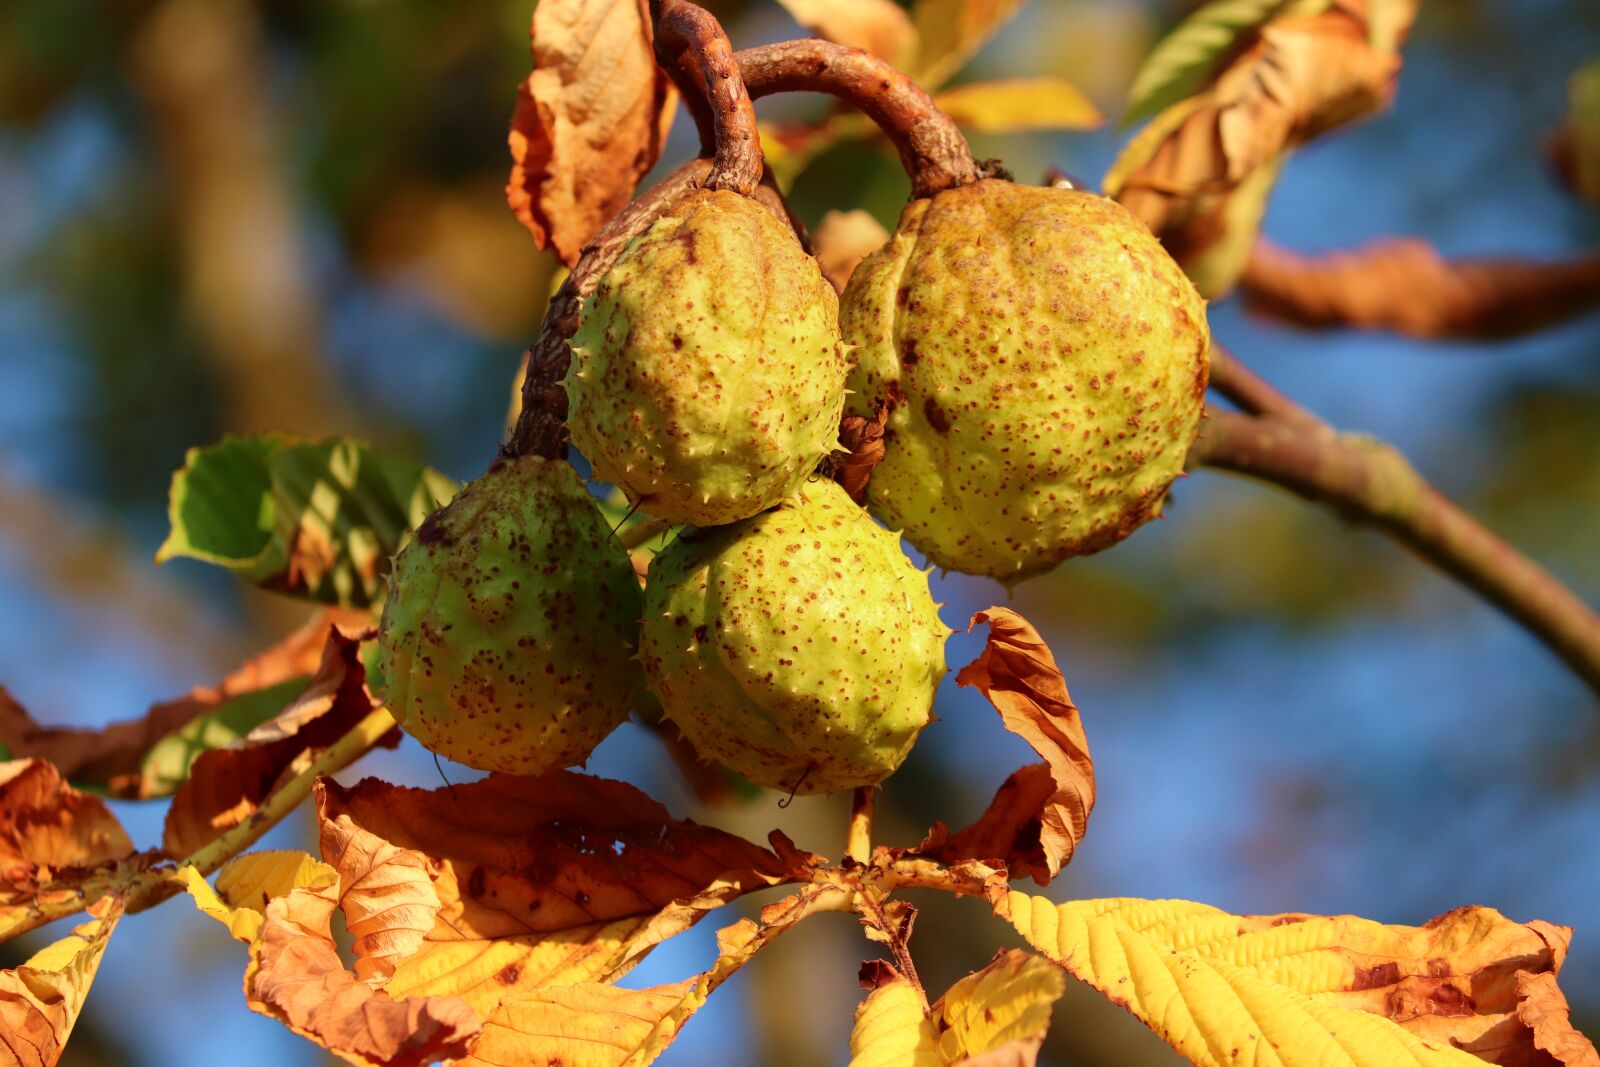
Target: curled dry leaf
[1407, 287]
[1041, 813]
[121, 757]
[56, 844]
[281, 906]
[550, 881]
[1469, 986]
[1200, 173]
[41, 999]
[590, 120]
[226, 785]
[879, 26]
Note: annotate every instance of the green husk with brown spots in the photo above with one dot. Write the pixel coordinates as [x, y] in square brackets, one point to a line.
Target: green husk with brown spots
[508, 637]
[800, 648]
[1044, 361]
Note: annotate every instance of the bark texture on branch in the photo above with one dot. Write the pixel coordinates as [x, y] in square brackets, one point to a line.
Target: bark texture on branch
[691, 46]
[1406, 287]
[1371, 483]
[931, 146]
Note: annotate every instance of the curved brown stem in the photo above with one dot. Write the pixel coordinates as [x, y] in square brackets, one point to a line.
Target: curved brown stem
[1249, 391]
[1370, 482]
[541, 426]
[691, 46]
[931, 147]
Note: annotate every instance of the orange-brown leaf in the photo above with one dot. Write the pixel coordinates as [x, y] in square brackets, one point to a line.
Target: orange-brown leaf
[1298, 77]
[590, 119]
[844, 239]
[111, 756]
[296, 976]
[1407, 287]
[1008, 829]
[41, 999]
[47, 827]
[227, 784]
[553, 880]
[59, 848]
[385, 892]
[1019, 676]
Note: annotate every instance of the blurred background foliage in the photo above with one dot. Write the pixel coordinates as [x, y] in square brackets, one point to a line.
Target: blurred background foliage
[223, 215]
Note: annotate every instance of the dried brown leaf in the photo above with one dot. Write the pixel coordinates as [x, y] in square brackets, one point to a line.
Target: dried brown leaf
[881, 27]
[112, 756]
[1407, 287]
[385, 892]
[226, 785]
[590, 120]
[296, 976]
[550, 881]
[41, 999]
[1008, 829]
[47, 827]
[1019, 676]
[1294, 78]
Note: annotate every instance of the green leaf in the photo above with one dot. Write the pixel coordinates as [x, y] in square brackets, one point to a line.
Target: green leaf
[950, 32]
[1583, 120]
[1179, 65]
[314, 519]
[1018, 105]
[166, 765]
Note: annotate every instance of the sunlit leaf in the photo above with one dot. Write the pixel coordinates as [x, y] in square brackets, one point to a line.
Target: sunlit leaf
[950, 32]
[892, 1027]
[1038, 818]
[149, 756]
[1181, 62]
[549, 881]
[1020, 105]
[1200, 173]
[226, 784]
[40, 1000]
[59, 848]
[313, 519]
[878, 26]
[283, 910]
[1002, 1009]
[1310, 987]
[842, 240]
[590, 121]
[593, 1025]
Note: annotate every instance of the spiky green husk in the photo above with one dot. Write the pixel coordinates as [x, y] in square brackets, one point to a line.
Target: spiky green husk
[707, 377]
[508, 638]
[1046, 363]
[800, 648]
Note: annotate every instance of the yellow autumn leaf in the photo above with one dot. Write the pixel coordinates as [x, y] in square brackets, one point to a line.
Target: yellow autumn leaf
[1018, 105]
[281, 905]
[880, 26]
[1220, 988]
[892, 1029]
[41, 999]
[1007, 1003]
[590, 1024]
[950, 32]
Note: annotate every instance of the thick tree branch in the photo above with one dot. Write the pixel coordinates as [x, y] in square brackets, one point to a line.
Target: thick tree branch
[691, 46]
[1371, 483]
[931, 146]
[1406, 287]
